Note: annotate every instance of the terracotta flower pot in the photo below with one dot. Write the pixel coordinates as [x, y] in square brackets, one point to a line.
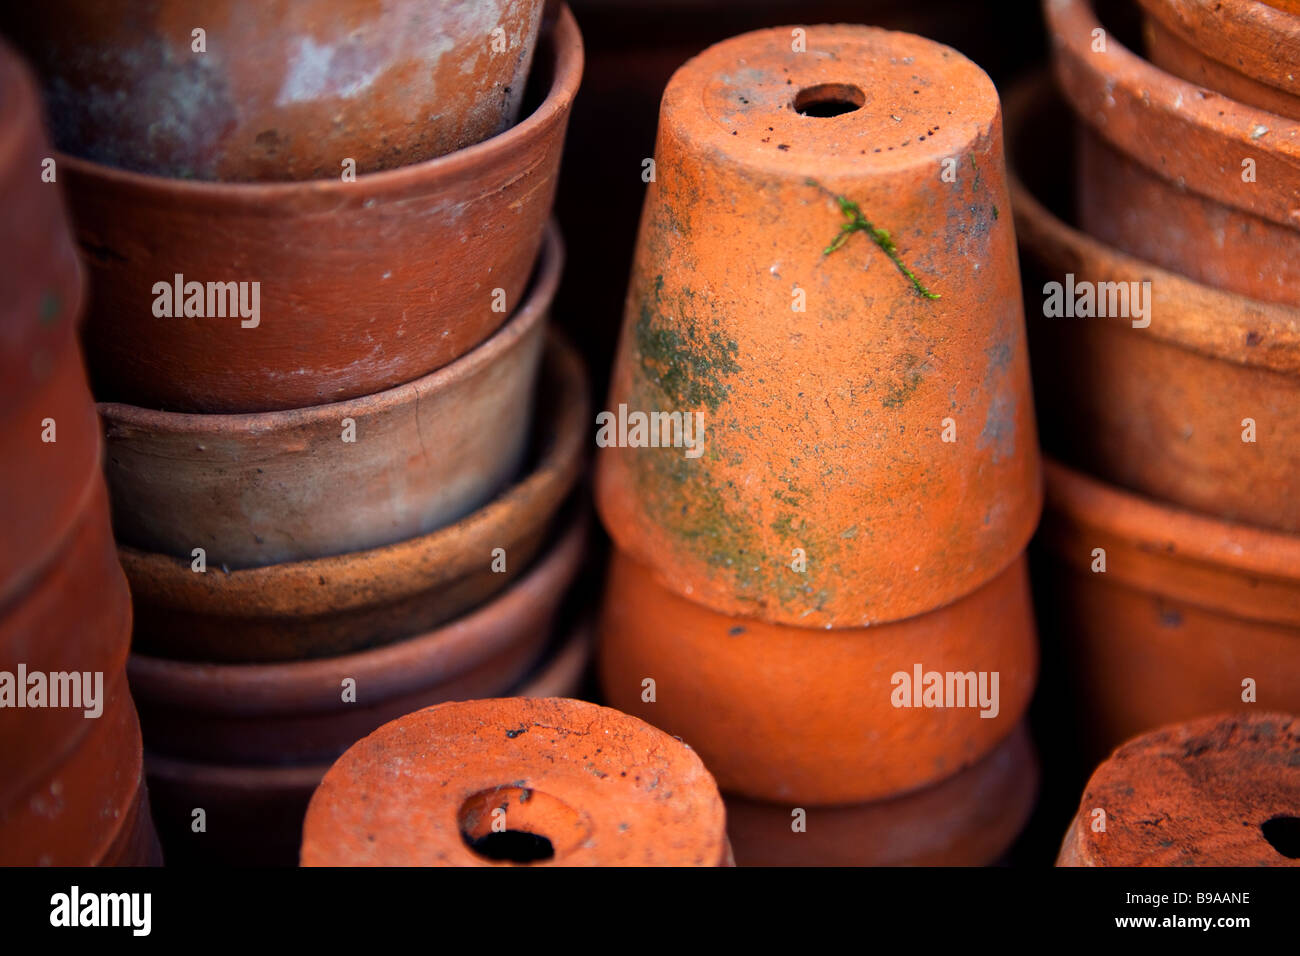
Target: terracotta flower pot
[969, 819]
[363, 285]
[826, 367]
[1219, 791]
[136, 842]
[1242, 48]
[277, 91]
[1162, 167]
[781, 713]
[44, 485]
[300, 711]
[1187, 609]
[339, 604]
[573, 783]
[1157, 405]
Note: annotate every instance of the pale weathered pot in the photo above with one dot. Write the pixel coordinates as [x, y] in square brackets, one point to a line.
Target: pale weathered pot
[1244, 49]
[1208, 792]
[363, 285]
[276, 90]
[1187, 609]
[268, 488]
[1163, 172]
[1160, 404]
[818, 716]
[865, 406]
[594, 786]
[308, 711]
[969, 819]
[334, 605]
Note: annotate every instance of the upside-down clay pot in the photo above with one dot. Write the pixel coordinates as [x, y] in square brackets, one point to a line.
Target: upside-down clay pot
[782, 713]
[254, 813]
[364, 284]
[273, 487]
[1159, 405]
[810, 287]
[44, 485]
[1187, 609]
[1163, 172]
[1244, 49]
[340, 604]
[1219, 791]
[969, 819]
[281, 90]
[516, 780]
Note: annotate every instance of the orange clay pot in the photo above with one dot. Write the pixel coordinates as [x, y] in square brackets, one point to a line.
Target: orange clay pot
[1244, 49]
[742, 692]
[44, 485]
[136, 843]
[1218, 791]
[280, 90]
[969, 819]
[824, 375]
[1158, 409]
[364, 285]
[366, 598]
[1187, 608]
[1161, 172]
[574, 783]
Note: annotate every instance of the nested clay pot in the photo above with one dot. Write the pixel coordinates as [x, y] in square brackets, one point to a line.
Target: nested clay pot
[273, 487]
[841, 321]
[969, 819]
[136, 842]
[49, 442]
[339, 604]
[309, 711]
[1218, 791]
[276, 90]
[821, 717]
[1244, 49]
[1160, 404]
[574, 784]
[362, 285]
[1187, 609]
[1163, 172]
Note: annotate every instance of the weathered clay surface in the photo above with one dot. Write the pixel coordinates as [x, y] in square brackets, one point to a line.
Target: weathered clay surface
[606, 789]
[1193, 794]
[136, 841]
[823, 427]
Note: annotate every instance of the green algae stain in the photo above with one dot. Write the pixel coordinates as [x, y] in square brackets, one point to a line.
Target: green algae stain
[687, 362]
[50, 307]
[911, 375]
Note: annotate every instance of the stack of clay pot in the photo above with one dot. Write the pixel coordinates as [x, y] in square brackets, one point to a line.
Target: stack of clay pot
[72, 790]
[825, 293]
[1167, 357]
[339, 441]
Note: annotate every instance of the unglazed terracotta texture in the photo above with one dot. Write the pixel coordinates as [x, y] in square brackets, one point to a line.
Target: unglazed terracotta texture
[260, 489]
[340, 604]
[305, 711]
[136, 841]
[604, 788]
[1201, 793]
[781, 713]
[1161, 171]
[278, 90]
[969, 819]
[1158, 405]
[1187, 609]
[814, 290]
[1244, 49]
[362, 285]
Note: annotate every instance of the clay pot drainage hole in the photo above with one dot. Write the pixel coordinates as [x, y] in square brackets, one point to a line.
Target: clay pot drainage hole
[829, 99]
[1283, 835]
[512, 824]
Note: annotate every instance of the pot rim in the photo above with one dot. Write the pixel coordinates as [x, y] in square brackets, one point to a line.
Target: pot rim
[558, 433]
[1193, 314]
[386, 672]
[536, 305]
[562, 51]
[1144, 111]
